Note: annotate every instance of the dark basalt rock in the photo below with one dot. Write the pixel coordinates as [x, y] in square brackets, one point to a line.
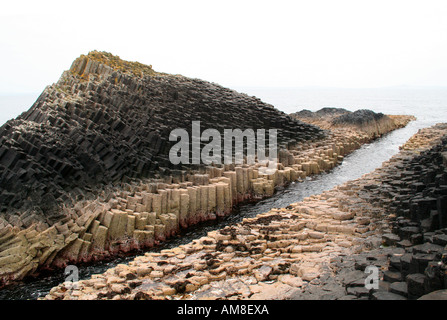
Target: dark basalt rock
[358, 117]
[107, 121]
[340, 116]
[416, 186]
[327, 112]
[330, 111]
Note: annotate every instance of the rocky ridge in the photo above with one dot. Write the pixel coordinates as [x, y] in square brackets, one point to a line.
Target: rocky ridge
[144, 213]
[86, 172]
[315, 249]
[108, 121]
[375, 124]
[101, 130]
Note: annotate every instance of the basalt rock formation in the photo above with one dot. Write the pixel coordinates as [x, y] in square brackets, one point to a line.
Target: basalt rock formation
[104, 125]
[322, 113]
[358, 117]
[85, 172]
[107, 120]
[414, 190]
[375, 124]
[319, 248]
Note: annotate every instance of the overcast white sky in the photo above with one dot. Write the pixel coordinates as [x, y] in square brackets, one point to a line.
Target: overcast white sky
[234, 43]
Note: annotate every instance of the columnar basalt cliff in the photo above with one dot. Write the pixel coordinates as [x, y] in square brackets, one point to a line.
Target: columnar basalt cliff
[318, 248]
[108, 120]
[93, 136]
[86, 174]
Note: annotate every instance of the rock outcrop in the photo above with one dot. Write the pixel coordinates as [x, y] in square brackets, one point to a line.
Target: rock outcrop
[85, 172]
[319, 248]
[375, 124]
[100, 130]
[414, 191]
[323, 113]
[108, 121]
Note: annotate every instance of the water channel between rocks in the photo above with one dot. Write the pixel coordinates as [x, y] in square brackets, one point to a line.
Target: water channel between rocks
[360, 162]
